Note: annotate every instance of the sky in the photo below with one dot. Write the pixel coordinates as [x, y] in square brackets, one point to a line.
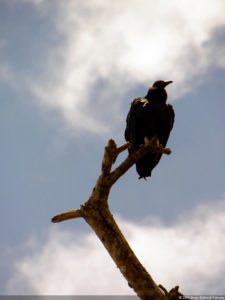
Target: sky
[68, 73]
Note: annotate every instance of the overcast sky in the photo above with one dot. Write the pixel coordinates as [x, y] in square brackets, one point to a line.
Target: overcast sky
[68, 72]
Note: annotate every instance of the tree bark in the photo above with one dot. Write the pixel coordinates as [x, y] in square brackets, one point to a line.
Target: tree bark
[97, 214]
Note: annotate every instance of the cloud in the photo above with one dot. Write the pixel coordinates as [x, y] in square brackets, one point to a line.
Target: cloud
[5, 72]
[189, 253]
[108, 48]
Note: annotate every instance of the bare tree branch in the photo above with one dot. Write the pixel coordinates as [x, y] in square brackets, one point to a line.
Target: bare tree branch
[96, 213]
[72, 214]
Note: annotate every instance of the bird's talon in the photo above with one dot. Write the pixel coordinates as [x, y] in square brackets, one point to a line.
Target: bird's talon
[146, 140]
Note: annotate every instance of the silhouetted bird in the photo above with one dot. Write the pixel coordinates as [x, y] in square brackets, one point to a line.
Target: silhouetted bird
[148, 117]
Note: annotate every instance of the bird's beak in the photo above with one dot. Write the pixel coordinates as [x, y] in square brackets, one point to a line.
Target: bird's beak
[167, 82]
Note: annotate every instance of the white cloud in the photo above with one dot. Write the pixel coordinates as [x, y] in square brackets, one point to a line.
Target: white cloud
[189, 253]
[109, 47]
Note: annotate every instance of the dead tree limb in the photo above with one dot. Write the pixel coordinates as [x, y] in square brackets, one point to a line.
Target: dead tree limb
[96, 213]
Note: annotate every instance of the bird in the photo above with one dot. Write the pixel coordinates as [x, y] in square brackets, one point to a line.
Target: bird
[149, 117]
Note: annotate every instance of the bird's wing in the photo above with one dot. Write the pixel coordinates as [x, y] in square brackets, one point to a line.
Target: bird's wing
[130, 119]
[171, 115]
[139, 122]
[168, 121]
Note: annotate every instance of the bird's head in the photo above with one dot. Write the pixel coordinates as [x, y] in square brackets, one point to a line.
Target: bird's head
[157, 92]
[161, 84]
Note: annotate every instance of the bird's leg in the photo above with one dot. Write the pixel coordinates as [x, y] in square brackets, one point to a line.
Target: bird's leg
[154, 140]
[156, 146]
[157, 142]
[146, 140]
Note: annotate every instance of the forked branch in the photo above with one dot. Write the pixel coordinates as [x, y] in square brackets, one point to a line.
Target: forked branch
[96, 213]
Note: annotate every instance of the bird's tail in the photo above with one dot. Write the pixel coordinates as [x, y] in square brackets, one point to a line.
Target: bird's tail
[140, 177]
[143, 169]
